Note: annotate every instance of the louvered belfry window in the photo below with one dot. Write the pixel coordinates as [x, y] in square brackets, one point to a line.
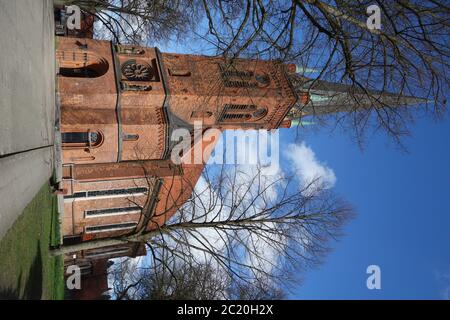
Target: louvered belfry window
[234, 78]
[237, 112]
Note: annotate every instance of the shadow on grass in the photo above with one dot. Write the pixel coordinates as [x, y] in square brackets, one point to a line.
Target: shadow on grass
[33, 286]
[9, 294]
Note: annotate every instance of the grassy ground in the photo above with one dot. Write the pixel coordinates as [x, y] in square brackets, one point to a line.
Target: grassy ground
[27, 271]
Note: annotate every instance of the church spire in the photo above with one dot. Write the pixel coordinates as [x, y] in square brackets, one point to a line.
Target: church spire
[323, 97]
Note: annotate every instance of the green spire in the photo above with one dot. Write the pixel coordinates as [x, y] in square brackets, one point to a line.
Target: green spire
[300, 122]
[328, 97]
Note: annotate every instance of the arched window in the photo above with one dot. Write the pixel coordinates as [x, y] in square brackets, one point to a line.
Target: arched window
[89, 139]
[242, 113]
[81, 64]
[233, 77]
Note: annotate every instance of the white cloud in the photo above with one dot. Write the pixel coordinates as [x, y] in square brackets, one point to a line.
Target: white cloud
[209, 206]
[308, 169]
[265, 255]
[443, 279]
[445, 293]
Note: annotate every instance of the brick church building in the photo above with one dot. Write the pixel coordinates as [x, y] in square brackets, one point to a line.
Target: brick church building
[119, 107]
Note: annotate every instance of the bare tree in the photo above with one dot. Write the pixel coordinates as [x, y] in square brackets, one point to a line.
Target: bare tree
[330, 40]
[408, 56]
[327, 39]
[254, 231]
[184, 282]
[137, 21]
[158, 283]
[254, 228]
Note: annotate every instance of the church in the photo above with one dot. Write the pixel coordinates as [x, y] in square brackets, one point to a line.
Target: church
[120, 105]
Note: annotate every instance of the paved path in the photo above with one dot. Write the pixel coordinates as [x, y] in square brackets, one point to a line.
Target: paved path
[27, 103]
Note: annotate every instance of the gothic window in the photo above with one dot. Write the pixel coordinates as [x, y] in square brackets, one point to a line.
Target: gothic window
[81, 139]
[111, 227]
[99, 253]
[235, 117]
[108, 193]
[230, 71]
[240, 107]
[242, 113]
[235, 78]
[117, 192]
[231, 77]
[112, 211]
[81, 64]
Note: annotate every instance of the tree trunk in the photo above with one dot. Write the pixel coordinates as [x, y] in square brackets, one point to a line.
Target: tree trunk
[95, 244]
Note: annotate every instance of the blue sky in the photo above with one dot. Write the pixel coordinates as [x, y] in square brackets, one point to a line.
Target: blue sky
[403, 211]
[402, 203]
[403, 206]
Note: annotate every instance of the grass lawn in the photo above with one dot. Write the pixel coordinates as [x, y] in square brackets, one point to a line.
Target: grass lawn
[27, 271]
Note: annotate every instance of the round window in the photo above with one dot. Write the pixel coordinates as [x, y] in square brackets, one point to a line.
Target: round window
[263, 79]
[259, 113]
[94, 137]
[135, 71]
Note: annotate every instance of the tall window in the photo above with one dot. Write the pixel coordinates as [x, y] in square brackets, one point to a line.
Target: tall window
[100, 253]
[110, 193]
[235, 78]
[112, 211]
[242, 113]
[111, 227]
[81, 139]
[232, 77]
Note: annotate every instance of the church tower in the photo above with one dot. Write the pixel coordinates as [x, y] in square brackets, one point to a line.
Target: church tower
[121, 103]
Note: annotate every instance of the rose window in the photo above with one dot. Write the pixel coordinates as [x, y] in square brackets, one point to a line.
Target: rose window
[135, 71]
